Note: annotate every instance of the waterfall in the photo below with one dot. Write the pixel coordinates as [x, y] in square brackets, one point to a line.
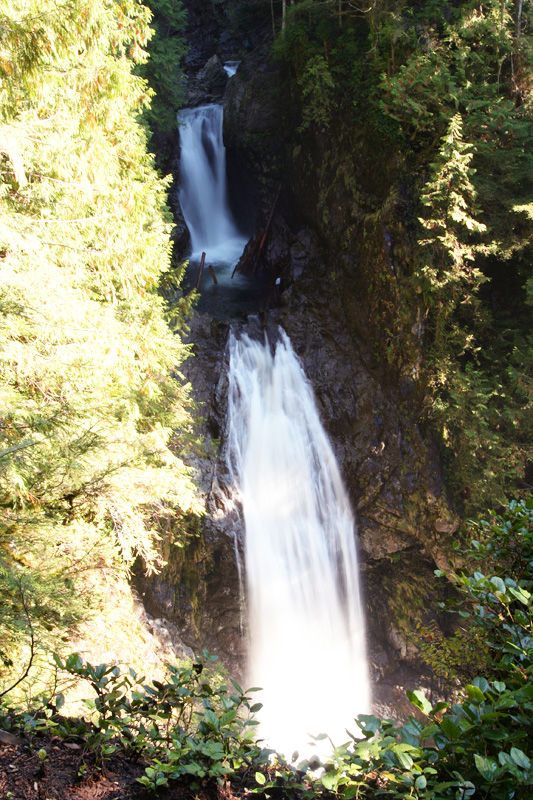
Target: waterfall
[203, 191]
[231, 68]
[307, 648]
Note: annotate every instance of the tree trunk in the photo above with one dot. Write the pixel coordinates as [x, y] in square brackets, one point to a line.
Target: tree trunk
[519, 6]
[200, 271]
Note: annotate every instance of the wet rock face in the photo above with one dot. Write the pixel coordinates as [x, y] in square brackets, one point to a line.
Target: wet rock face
[333, 298]
[205, 36]
[390, 468]
[180, 234]
[213, 76]
[207, 85]
[197, 594]
[251, 117]
[199, 590]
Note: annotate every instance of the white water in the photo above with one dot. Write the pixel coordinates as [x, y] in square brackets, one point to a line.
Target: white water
[307, 648]
[203, 191]
[231, 68]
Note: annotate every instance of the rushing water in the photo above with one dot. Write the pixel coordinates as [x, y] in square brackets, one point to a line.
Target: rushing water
[203, 190]
[231, 68]
[204, 201]
[307, 648]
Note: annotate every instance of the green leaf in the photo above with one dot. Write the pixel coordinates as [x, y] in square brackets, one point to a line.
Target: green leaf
[475, 693]
[498, 584]
[228, 717]
[520, 594]
[74, 663]
[330, 780]
[368, 723]
[486, 766]
[450, 728]
[211, 718]
[58, 661]
[418, 699]
[403, 758]
[481, 683]
[352, 790]
[260, 778]
[421, 782]
[520, 758]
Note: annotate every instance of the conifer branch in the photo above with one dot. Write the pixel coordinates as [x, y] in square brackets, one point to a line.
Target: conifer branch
[71, 247]
[32, 647]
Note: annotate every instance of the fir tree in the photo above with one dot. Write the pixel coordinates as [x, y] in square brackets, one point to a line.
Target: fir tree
[90, 396]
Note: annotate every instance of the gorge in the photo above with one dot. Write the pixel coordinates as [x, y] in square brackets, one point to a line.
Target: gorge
[300, 565]
[370, 437]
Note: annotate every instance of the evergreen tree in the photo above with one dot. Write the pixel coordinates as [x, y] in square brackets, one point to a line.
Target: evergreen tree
[414, 77]
[90, 398]
[162, 70]
[449, 276]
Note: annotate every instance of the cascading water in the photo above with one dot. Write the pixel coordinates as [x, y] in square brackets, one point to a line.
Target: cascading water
[231, 68]
[307, 648]
[203, 191]
[204, 202]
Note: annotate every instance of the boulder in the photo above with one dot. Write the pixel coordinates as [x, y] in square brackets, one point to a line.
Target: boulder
[213, 77]
[180, 234]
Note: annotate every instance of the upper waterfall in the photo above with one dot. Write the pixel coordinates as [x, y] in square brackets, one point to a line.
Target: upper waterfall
[203, 190]
[307, 635]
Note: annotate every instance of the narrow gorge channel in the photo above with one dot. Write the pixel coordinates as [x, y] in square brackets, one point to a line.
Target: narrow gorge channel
[214, 230]
[390, 469]
[301, 572]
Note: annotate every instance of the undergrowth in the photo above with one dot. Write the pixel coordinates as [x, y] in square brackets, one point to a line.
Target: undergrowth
[194, 727]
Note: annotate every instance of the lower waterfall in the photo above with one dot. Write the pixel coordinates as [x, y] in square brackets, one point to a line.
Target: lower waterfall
[307, 633]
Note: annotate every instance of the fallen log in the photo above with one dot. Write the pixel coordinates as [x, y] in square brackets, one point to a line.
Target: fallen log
[265, 234]
[212, 271]
[251, 259]
[200, 271]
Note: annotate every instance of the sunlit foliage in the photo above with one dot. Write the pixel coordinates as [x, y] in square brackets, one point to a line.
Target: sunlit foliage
[88, 397]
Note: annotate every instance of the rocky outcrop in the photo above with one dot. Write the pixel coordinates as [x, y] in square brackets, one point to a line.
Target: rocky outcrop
[251, 117]
[213, 76]
[340, 245]
[207, 85]
[199, 590]
[390, 466]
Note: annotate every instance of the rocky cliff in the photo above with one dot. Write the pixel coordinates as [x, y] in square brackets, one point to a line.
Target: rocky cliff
[339, 243]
